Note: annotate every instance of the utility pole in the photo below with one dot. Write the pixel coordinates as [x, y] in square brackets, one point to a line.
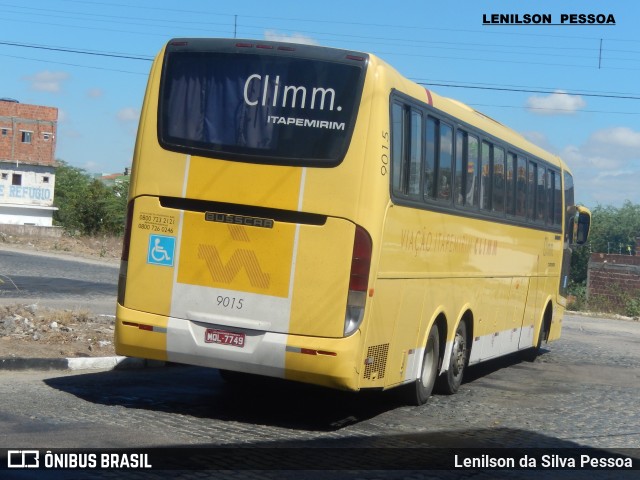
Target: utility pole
[600, 56]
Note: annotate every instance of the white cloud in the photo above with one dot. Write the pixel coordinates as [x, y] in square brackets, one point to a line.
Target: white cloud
[63, 116]
[47, 81]
[275, 36]
[95, 93]
[558, 103]
[620, 138]
[606, 166]
[128, 118]
[66, 129]
[128, 115]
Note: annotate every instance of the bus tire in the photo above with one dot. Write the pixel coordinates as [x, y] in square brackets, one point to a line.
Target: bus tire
[419, 391]
[449, 382]
[530, 354]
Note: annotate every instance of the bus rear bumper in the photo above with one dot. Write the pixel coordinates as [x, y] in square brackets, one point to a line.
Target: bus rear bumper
[330, 362]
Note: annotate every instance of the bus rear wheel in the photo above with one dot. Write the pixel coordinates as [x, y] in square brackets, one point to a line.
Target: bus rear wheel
[418, 392]
[450, 381]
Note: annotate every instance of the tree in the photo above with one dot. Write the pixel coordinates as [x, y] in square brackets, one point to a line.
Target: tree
[613, 230]
[70, 192]
[86, 205]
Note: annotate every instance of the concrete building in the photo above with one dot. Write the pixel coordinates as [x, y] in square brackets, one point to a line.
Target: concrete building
[27, 163]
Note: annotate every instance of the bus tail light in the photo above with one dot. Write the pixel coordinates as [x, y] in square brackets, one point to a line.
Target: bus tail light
[124, 259]
[358, 281]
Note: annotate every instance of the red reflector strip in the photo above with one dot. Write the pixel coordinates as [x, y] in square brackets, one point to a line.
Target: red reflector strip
[329, 354]
[266, 47]
[244, 45]
[146, 328]
[355, 57]
[287, 49]
[311, 351]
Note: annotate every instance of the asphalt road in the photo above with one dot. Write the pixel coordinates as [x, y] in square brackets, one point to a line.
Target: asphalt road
[59, 282]
[581, 393]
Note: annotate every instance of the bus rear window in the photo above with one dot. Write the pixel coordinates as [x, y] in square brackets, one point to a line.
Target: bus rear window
[258, 107]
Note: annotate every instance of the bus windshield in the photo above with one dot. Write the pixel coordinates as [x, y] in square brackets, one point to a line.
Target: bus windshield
[264, 108]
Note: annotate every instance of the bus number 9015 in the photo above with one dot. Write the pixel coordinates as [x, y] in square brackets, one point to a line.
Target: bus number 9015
[230, 302]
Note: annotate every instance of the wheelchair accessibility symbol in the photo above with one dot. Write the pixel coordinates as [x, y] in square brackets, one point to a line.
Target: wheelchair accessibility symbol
[161, 250]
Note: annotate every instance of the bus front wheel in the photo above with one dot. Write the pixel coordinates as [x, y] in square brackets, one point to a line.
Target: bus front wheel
[418, 392]
[530, 354]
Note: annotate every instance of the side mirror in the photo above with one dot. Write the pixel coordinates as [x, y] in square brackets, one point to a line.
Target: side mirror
[583, 225]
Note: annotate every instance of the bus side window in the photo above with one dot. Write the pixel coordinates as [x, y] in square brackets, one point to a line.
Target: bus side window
[406, 150]
[461, 165]
[510, 202]
[466, 180]
[430, 159]
[550, 191]
[557, 200]
[445, 160]
[521, 188]
[485, 181]
[541, 208]
[415, 154]
[398, 142]
[531, 190]
[498, 180]
[471, 190]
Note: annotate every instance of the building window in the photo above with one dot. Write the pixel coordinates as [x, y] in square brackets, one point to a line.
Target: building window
[45, 179]
[26, 136]
[5, 132]
[17, 179]
[5, 176]
[46, 136]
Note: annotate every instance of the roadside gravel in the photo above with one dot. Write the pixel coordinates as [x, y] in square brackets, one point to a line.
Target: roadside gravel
[29, 329]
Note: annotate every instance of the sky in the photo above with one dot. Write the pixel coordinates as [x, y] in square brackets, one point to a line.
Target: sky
[573, 89]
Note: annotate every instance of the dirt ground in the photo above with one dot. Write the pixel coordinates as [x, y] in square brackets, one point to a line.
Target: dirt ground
[107, 249]
[32, 331]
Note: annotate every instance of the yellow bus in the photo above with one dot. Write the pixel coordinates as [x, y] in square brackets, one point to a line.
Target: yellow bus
[308, 213]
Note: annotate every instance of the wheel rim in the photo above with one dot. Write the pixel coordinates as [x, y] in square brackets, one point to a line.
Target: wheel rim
[458, 355]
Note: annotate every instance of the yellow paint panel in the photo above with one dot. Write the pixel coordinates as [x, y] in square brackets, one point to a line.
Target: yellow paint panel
[244, 183]
[149, 286]
[234, 257]
[339, 370]
[321, 282]
[134, 342]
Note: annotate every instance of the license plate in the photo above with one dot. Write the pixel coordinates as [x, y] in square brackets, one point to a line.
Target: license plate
[224, 338]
